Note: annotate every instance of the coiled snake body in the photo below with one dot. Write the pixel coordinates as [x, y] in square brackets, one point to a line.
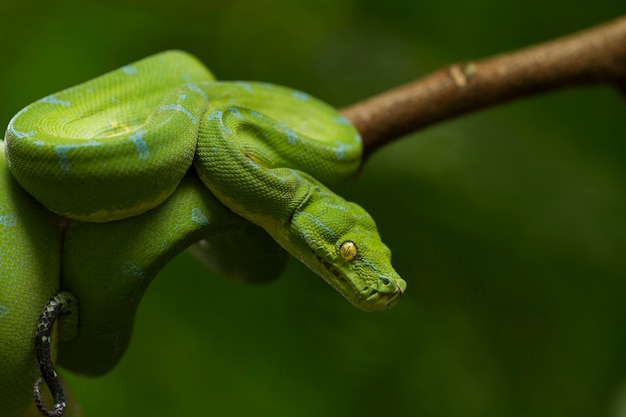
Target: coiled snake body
[113, 159]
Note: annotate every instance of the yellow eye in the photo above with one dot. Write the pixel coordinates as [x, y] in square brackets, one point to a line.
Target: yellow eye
[348, 251]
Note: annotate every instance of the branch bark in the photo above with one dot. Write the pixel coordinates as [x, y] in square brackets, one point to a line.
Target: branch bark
[593, 56]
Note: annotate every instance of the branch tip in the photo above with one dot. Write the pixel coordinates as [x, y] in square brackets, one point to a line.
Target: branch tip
[596, 55]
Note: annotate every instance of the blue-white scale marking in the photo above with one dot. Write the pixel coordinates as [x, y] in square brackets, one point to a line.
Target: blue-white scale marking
[8, 220]
[236, 113]
[246, 86]
[51, 99]
[266, 84]
[299, 177]
[337, 207]
[21, 135]
[129, 69]
[217, 115]
[196, 89]
[62, 150]
[180, 108]
[17, 133]
[371, 266]
[197, 216]
[140, 144]
[342, 121]
[256, 114]
[128, 268]
[4, 311]
[291, 136]
[319, 223]
[340, 150]
[300, 95]
[255, 166]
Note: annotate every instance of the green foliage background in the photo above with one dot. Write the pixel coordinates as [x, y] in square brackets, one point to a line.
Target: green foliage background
[508, 225]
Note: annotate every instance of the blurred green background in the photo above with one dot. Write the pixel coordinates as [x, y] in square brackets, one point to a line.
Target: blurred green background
[509, 225]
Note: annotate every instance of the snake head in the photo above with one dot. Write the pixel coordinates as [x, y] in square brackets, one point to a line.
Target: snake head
[343, 246]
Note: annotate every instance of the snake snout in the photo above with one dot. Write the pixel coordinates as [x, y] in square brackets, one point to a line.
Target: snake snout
[386, 294]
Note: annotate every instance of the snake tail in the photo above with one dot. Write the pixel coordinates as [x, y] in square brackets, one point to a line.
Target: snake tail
[61, 304]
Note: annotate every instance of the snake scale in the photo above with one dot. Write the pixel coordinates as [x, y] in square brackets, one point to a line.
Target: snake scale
[103, 183]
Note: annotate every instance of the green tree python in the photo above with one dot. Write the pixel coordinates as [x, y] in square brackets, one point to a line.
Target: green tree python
[105, 182]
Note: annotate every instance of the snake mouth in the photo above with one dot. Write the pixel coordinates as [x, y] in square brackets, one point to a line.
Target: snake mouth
[378, 300]
[368, 298]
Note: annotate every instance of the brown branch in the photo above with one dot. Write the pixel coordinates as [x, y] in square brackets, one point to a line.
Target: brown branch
[597, 55]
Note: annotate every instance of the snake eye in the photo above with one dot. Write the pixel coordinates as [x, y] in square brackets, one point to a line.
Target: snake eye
[348, 251]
